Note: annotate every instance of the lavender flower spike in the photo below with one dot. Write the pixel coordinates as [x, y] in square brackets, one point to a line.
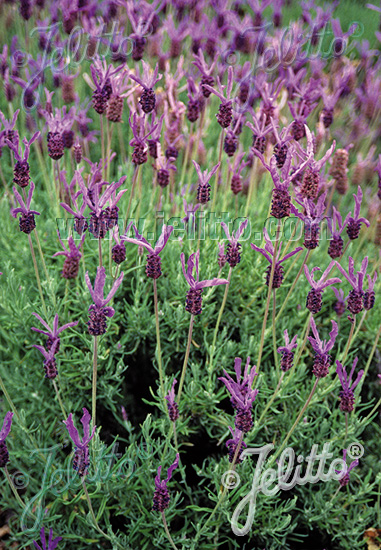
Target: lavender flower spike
[232, 445]
[354, 223]
[225, 111]
[153, 267]
[369, 296]
[81, 453]
[347, 396]
[26, 221]
[52, 334]
[344, 480]
[233, 256]
[147, 99]
[98, 311]
[52, 543]
[339, 306]
[268, 253]
[73, 255]
[336, 226]
[4, 455]
[286, 351]
[194, 294]
[161, 496]
[203, 189]
[50, 365]
[355, 298]
[242, 394]
[21, 170]
[173, 408]
[321, 348]
[314, 301]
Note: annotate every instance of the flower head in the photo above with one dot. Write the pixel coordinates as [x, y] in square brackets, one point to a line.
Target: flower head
[233, 443]
[97, 292]
[4, 432]
[73, 255]
[203, 190]
[268, 253]
[26, 221]
[287, 351]
[81, 456]
[52, 333]
[52, 543]
[233, 256]
[322, 360]
[344, 480]
[354, 222]
[161, 496]
[50, 365]
[173, 408]
[347, 395]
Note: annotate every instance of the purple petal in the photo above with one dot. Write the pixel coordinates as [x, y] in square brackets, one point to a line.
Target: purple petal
[6, 426]
[114, 288]
[73, 432]
[210, 282]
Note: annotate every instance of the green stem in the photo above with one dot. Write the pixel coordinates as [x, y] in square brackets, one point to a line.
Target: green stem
[274, 332]
[167, 531]
[268, 300]
[219, 318]
[218, 170]
[349, 341]
[14, 490]
[296, 422]
[94, 385]
[37, 275]
[186, 358]
[186, 157]
[159, 359]
[134, 179]
[59, 400]
[271, 400]
[293, 285]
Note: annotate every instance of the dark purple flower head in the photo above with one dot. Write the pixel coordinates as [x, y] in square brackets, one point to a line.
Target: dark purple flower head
[323, 346]
[340, 36]
[194, 294]
[233, 443]
[354, 222]
[52, 543]
[242, 394]
[233, 256]
[173, 408]
[81, 455]
[355, 280]
[287, 352]
[153, 267]
[26, 221]
[97, 293]
[311, 217]
[203, 189]
[194, 283]
[344, 480]
[224, 115]
[161, 496]
[72, 256]
[347, 395]
[50, 365]
[9, 126]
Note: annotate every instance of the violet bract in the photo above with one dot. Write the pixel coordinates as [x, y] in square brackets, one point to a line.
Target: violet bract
[194, 294]
[4, 454]
[99, 311]
[161, 496]
[321, 348]
[314, 297]
[81, 460]
[346, 395]
[287, 352]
